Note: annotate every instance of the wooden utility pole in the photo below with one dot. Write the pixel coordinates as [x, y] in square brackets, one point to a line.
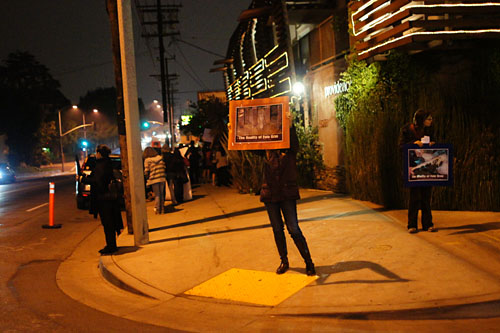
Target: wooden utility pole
[112, 10]
[131, 108]
[164, 28]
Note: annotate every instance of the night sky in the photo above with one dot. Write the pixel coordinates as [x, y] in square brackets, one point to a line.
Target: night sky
[72, 38]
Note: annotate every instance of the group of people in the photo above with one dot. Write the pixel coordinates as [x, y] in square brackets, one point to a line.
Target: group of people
[165, 170]
[208, 164]
[279, 191]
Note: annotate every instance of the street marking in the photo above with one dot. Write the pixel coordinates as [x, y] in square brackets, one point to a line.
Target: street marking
[256, 287]
[39, 206]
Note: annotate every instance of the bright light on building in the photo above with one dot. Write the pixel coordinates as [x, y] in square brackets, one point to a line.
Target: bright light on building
[298, 88]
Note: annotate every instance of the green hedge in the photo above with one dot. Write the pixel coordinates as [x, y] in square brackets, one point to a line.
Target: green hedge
[461, 88]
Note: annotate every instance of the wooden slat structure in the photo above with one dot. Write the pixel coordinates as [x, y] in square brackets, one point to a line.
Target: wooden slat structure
[381, 25]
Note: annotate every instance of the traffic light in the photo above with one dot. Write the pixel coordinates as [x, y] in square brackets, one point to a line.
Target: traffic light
[145, 125]
[84, 143]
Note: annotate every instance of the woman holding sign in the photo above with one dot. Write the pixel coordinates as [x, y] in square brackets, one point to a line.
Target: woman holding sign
[419, 132]
[280, 193]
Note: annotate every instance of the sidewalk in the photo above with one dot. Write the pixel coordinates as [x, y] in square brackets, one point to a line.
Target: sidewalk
[367, 264]
[53, 170]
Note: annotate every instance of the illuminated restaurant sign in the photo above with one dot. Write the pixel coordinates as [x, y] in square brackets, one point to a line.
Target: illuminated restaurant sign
[338, 88]
[268, 77]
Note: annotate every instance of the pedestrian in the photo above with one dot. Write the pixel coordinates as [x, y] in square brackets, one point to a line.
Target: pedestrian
[206, 162]
[194, 157]
[222, 173]
[168, 158]
[417, 132]
[101, 203]
[181, 178]
[280, 193]
[154, 170]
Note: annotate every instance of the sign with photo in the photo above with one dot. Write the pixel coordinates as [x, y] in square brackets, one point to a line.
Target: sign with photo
[259, 124]
[428, 165]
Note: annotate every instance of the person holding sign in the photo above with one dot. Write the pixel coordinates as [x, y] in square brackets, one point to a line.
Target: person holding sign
[280, 193]
[419, 132]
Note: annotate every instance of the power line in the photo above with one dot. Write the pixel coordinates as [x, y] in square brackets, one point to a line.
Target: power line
[189, 65]
[199, 48]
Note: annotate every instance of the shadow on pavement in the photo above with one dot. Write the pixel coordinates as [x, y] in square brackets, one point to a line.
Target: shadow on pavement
[473, 228]
[261, 209]
[262, 226]
[346, 266]
[126, 249]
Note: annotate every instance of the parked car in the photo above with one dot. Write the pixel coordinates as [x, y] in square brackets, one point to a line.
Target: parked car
[7, 174]
[83, 190]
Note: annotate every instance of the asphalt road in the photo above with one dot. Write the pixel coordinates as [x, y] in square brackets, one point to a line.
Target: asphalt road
[30, 300]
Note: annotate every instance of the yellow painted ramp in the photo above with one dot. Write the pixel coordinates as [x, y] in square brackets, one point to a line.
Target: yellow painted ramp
[256, 287]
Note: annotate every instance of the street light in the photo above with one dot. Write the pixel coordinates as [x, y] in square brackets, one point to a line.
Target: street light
[61, 134]
[75, 107]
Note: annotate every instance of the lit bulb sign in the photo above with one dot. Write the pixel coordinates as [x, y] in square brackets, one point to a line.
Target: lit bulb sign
[268, 77]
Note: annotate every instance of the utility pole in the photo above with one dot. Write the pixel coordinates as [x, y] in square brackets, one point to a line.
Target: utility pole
[130, 102]
[147, 20]
[111, 7]
[159, 20]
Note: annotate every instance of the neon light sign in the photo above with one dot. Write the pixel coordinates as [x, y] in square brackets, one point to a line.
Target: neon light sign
[268, 77]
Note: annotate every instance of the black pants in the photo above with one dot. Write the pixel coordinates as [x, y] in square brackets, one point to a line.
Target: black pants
[179, 189]
[111, 220]
[420, 199]
[289, 210]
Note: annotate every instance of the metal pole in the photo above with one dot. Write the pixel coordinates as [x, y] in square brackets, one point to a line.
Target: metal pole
[60, 142]
[163, 76]
[84, 132]
[84, 128]
[138, 195]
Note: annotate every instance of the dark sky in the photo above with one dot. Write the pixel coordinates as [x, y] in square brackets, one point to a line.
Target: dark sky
[72, 39]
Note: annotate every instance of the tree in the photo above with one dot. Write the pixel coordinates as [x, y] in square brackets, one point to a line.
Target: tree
[29, 95]
[208, 113]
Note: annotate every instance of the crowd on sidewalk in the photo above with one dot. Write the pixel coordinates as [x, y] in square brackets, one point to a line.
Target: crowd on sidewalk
[169, 174]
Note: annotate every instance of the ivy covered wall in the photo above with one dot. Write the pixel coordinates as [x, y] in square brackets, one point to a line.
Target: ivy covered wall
[462, 88]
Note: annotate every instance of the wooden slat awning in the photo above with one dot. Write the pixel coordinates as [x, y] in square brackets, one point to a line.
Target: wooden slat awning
[381, 25]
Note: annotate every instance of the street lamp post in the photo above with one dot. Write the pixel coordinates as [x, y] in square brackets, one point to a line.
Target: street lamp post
[60, 141]
[61, 134]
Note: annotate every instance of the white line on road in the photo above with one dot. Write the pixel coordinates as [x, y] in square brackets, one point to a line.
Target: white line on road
[39, 206]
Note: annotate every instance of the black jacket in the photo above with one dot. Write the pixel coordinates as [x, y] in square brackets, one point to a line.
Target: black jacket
[410, 133]
[280, 173]
[99, 181]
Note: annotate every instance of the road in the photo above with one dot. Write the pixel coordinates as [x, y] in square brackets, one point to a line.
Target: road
[30, 255]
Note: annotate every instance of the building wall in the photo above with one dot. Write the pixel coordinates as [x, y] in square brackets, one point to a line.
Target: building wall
[322, 111]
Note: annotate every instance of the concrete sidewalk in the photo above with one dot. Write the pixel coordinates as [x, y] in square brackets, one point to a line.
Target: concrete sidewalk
[368, 266]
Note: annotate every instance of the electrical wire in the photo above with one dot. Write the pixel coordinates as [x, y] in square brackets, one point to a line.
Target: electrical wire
[190, 67]
[200, 48]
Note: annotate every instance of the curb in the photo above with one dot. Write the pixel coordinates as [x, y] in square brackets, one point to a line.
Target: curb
[119, 278]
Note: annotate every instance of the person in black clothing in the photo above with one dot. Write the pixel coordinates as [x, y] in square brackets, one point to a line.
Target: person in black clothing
[420, 197]
[280, 193]
[168, 158]
[101, 203]
[194, 157]
[179, 168]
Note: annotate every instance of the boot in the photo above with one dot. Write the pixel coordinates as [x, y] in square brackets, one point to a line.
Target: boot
[310, 270]
[284, 266]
